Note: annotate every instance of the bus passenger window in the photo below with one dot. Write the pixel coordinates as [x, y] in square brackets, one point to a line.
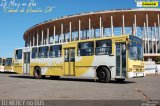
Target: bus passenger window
[18, 54]
[55, 51]
[34, 53]
[43, 52]
[86, 49]
[103, 47]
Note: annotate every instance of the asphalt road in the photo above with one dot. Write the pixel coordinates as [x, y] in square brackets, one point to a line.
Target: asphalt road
[14, 86]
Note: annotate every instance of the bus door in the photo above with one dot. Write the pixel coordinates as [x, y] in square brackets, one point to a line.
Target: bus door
[69, 61]
[26, 65]
[120, 60]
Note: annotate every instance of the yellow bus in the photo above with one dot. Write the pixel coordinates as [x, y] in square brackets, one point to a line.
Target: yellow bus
[8, 67]
[103, 59]
[2, 63]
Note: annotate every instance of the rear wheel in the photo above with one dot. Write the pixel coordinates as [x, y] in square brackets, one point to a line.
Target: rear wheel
[103, 75]
[37, 73]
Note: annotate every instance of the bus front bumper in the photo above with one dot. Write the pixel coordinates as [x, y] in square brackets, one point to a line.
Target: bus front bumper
[135, 74]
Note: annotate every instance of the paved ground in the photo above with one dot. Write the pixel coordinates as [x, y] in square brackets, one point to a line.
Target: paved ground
[14, 86]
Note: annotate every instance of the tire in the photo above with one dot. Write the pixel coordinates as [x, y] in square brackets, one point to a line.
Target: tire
[120, 80]
[55, 77]
[104, 75]
[37, 73]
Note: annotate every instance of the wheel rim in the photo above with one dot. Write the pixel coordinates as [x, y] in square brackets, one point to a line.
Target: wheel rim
[102, 74]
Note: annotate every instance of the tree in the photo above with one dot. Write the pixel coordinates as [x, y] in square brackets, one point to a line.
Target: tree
[157, 60]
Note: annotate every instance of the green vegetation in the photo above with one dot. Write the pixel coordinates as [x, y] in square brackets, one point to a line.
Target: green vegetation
[157, 60]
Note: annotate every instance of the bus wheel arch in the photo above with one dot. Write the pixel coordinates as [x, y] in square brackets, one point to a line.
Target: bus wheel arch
[103, 73]
[37, 73]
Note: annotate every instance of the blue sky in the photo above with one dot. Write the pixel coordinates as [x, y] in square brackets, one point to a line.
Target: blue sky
[13, 25]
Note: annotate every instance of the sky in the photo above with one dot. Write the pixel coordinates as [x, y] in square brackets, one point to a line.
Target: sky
[14, 24]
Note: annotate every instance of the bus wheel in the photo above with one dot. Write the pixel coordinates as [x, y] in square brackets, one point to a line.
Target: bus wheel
[103, 75]
[37, 73]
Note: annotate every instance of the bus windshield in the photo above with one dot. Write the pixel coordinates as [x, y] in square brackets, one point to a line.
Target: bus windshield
[135, 51]
[8, 62]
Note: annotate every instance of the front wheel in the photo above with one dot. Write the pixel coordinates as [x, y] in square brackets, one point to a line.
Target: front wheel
[103, 75]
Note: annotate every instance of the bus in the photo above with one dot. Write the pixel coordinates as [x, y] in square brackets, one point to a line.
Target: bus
[102, 59]
[6, 65]
[2, 63]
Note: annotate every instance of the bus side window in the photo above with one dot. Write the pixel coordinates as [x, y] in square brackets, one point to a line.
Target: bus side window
[103, 47]
[43, 52]
[34, 53]
[55, 51]
[86, 49]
